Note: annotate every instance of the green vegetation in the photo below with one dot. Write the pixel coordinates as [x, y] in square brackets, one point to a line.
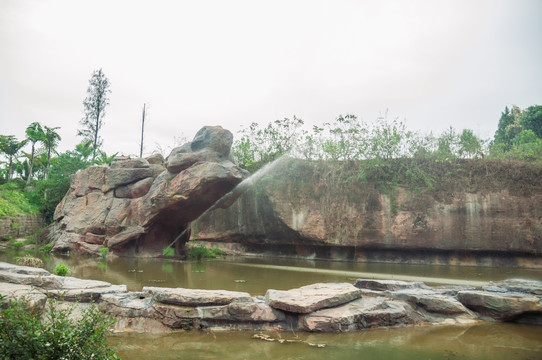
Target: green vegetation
[45, 248]
[347, 138]
[169, 252]
[24, 335]
[14, 202]
[61, 270]
[94, 109]
[200, 252]
[103, 252]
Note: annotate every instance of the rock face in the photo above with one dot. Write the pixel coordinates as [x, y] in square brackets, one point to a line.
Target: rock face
[330, 307]
[487, 215]
[137, 207]
[20, 225]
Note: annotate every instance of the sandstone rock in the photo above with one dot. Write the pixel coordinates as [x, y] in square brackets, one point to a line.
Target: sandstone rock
[500, 306]
[128, 304]
[123, 176]
[433, 302]
[130, 163]
[156, 159]
[309, 208]
[194, 297]
[34, 298]
[532, 287]
[135, 190]
[213, 137]
[310, 298]
[245, 311]
[179, 161]
[390, 285]
[367, 312]
[139, 200]
[27, 270]
[88, 180]
[129, 234]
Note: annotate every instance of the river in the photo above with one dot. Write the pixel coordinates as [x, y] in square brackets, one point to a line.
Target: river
[256, 275]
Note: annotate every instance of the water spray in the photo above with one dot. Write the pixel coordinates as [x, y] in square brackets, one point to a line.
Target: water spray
[228, 199]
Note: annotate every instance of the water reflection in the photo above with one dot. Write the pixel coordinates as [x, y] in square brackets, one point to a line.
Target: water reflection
[256, 275]
[487, 341]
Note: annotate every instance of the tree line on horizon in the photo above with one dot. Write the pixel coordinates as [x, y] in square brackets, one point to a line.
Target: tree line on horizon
[518, 137]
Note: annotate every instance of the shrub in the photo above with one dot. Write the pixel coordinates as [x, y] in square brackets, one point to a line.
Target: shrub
[28, 260]
[169, 252]
[23, 335]
[61, 270]
[103, 252]
[46, 248]
[201, 252]
[17, 244]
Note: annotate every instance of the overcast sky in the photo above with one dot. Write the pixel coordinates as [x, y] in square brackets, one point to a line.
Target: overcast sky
[432, 63]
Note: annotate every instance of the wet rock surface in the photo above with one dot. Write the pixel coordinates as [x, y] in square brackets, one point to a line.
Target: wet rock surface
[329, 307]
[137, 207]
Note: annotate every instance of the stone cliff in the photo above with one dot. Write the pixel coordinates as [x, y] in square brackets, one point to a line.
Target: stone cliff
[478, 212]
[137, 207]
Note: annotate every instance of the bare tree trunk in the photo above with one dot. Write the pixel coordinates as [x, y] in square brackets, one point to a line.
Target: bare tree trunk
[31, 165]
[142, 130]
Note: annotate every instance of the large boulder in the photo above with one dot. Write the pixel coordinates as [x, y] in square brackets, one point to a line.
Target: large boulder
[137, 207]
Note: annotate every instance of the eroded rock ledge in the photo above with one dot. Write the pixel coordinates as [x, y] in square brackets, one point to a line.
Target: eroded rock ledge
[323, 307]
[137, 207]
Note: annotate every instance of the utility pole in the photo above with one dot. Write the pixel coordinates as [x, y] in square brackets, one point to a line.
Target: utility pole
[142, 130]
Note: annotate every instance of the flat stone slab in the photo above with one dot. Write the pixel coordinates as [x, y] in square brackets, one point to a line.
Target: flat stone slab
[253, 311]
[33, 297]
[367, 312]
[388, 285]
[307, 299]
[432, 301]
[532, 287]
[500, 306]
[194, 297]
[27, 270]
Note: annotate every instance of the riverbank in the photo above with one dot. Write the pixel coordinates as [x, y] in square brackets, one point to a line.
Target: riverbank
[322, 307]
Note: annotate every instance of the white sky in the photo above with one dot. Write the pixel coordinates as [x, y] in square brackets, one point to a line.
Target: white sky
[432, 63]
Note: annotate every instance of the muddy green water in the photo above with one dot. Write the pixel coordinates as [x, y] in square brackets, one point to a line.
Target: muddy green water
[256, 275]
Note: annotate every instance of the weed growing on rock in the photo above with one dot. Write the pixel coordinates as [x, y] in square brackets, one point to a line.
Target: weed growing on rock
[61, 270]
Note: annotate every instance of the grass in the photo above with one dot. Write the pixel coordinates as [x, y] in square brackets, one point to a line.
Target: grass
[14, 202]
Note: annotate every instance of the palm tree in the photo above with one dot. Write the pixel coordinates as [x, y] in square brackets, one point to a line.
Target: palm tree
[10, 147]
[50, 140]
[34, 133]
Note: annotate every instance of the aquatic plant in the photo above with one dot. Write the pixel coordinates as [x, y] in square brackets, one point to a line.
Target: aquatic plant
[103, 252]
[61, 270]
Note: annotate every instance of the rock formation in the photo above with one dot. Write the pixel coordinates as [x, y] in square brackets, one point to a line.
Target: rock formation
[137, 207]
[483, 213]
[323, 307]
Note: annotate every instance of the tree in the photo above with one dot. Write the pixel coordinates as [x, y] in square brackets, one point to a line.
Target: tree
[469, 144]
[509, 127]
[34, 134]
[50, 140]
[10, 147]
[531, 119]
[94, 108]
